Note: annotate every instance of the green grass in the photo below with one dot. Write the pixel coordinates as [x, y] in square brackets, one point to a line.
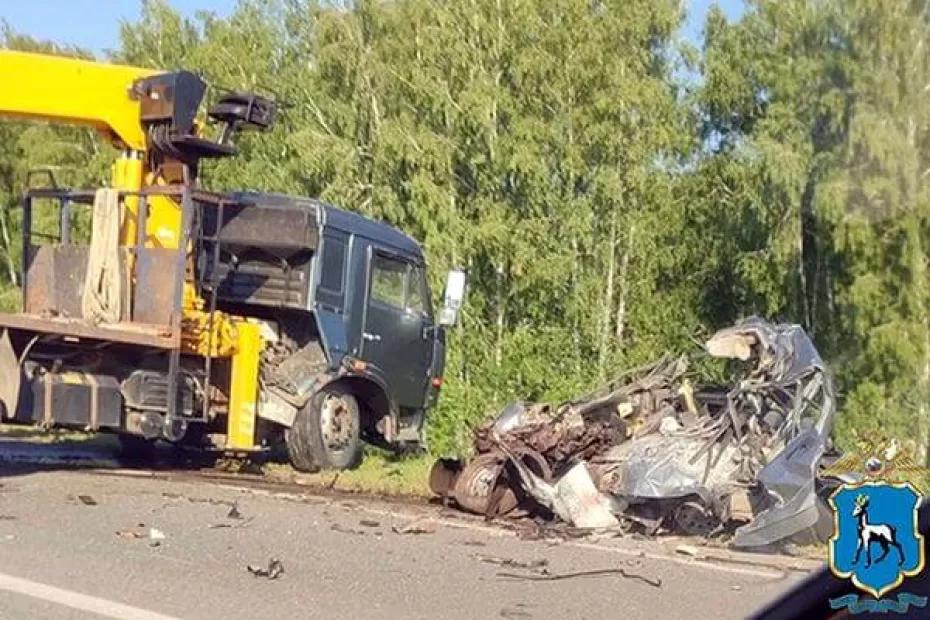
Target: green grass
[10, 299]
[380, 473]
[35, 434]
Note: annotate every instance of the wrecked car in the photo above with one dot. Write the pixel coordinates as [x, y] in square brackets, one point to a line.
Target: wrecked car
[652, 451]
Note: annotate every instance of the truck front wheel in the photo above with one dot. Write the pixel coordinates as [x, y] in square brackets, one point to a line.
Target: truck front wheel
[325, 434]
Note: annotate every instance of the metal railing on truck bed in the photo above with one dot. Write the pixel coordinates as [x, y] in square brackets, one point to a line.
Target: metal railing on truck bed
[53, 277]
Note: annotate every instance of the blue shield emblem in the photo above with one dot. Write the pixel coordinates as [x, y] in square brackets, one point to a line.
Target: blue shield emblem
[875, 541]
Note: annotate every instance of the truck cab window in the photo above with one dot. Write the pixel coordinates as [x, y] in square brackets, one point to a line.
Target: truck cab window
[417, 292]
[334, 257]
[387, 281]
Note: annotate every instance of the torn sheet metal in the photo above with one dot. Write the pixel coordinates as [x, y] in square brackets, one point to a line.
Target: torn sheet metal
[12, 373]
[656, 467]
[573, 498]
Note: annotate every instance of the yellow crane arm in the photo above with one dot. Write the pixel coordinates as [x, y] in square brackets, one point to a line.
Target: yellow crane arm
[73, 91]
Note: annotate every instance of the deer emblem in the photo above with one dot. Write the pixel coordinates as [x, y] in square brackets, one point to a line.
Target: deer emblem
[869, 533]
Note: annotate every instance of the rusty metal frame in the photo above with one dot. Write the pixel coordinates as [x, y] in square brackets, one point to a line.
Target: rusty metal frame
[174, 355]
[169, 341]
[216, 240]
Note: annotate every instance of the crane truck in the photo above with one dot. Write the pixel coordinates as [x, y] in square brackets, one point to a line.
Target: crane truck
[231, 319]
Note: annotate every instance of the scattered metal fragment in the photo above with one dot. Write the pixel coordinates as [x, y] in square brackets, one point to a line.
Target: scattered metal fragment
[511, 563]
[132, 532]
[241, 523]
[474, 543]
[515, 614]
[346, 530]
[689, 550]
[275, 569]
[87, 500]
[155, 534]
[234, 512]
[654, 582]
[369, 523]
[421, 526]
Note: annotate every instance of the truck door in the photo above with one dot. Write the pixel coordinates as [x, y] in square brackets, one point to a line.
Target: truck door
[397, 331]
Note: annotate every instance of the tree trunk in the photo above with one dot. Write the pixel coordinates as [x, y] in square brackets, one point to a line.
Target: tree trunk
[920, 277]
[608, 302]
[925, 391]
[7, 248]
[919, 267]
[806, 252]
[573, 283]
[501, 307]
[624, 285]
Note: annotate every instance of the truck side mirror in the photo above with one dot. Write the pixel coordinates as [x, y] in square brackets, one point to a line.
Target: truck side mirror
[452, 298]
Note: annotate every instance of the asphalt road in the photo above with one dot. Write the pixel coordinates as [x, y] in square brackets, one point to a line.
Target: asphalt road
[62, 556]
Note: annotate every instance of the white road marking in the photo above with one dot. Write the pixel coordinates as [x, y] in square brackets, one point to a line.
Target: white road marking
[76, 600]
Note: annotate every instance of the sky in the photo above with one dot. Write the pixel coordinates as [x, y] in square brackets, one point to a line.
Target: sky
[94, 24]
[90, 24]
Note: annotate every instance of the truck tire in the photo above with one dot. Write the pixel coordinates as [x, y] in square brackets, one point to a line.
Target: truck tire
[326, 432]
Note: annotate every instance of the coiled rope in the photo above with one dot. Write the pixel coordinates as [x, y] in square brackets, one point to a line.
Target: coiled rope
[103, 285]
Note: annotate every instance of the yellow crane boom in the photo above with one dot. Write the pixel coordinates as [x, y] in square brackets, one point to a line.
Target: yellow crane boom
[80, 92]
[74, 91]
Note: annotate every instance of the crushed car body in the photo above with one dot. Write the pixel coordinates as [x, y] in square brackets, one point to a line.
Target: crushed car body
[649, 450]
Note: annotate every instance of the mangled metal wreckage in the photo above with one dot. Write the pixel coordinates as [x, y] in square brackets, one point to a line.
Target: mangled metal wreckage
[650, 451]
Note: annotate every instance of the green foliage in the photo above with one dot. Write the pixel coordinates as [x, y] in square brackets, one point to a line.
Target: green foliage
[606, 207]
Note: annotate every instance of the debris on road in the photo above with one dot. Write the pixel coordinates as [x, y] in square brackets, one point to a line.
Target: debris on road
[275, 569]
[655, 582]
[689, 550]
[369, 523]
[87, 500]
[156, 534]
[518, 613]
[236, 518]
[237, 525]
[511, 563]
[346, 530]
[474, 543]
[652, 452]
[420, 526]
[132, 532]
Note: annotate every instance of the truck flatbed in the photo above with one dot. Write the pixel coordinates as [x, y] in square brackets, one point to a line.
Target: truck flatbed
[157, 336]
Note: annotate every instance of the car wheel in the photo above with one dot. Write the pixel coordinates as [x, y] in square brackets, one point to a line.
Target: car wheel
[326, 432]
